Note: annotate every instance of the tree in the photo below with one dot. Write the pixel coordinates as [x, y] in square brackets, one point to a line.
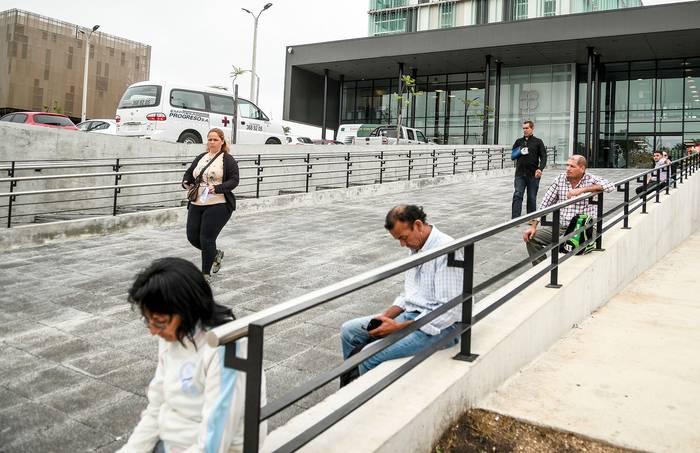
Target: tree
[404, 97]
[237, 71]
[55, 107]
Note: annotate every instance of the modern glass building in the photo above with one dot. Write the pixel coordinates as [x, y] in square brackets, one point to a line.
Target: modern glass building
[612, 85]
[405, 16]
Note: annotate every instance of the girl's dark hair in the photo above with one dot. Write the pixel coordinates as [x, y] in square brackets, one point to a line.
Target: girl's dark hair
[174, 286]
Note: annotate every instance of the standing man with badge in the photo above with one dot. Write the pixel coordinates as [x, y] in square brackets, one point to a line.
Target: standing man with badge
[531, 158]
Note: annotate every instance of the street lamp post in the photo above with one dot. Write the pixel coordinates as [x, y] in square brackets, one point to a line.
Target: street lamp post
[87, 34]
[253, 81]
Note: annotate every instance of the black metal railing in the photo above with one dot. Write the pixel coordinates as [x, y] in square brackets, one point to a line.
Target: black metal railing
[113, 186]
[253, 326]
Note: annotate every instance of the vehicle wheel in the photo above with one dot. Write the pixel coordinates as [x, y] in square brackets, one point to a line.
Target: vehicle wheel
[189, 138]
[273, 141]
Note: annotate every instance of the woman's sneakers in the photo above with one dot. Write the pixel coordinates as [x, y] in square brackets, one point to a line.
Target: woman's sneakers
[218, 258]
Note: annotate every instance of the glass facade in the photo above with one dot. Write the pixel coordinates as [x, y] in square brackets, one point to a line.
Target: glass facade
[644, 105]
[450, 109]
[447, 15]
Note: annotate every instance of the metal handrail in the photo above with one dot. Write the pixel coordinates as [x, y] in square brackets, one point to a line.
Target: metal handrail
[252, 326]
[260, 174]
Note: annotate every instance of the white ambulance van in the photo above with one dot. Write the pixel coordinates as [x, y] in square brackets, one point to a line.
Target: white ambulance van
[185, 113]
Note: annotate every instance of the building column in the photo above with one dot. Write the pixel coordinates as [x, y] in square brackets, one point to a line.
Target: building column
[595, 143]
[325, 104]
[341, 81]
[487, 84]
[414, 75]
[399, 102]
[497, 102]
[589, 98]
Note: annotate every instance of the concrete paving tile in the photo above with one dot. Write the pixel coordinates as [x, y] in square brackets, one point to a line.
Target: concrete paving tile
[9, 399]
[315, 360]
[66, 350]
[100, 363]
[88, 395]
[309, 334]
[16, 363]
[118, 417]
[281, 379]
[133, 378]
[277, 349]
[74, 437]
[34, 385]
[37, 338]
[24, 420]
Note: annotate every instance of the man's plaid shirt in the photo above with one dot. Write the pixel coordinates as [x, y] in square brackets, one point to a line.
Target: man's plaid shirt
[556, 193]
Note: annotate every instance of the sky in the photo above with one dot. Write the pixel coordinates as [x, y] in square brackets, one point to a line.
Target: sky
[198, 42]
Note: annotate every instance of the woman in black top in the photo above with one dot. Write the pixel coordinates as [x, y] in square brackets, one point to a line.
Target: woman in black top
[207, 215]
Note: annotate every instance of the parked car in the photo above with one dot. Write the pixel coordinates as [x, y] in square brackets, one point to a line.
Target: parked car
[299, 140]
[327, 142]
[185, 113]
[386, 135]
[101, 126]
[41, 119]
[346, 132]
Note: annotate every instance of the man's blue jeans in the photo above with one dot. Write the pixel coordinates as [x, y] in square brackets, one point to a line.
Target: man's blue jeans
[354, 333]
[521, 183]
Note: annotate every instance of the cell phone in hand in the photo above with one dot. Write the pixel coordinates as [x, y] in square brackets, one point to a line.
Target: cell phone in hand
[373, 324]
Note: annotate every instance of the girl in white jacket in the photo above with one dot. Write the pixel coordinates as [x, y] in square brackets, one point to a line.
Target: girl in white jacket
[195, 404]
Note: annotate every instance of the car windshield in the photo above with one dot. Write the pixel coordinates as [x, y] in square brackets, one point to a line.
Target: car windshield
[53, 120]
[140, 96]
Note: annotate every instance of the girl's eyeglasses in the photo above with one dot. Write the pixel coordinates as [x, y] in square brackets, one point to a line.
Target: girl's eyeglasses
[160, 325]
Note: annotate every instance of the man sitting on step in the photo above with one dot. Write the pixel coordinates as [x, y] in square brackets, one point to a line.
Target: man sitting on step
[426, 287]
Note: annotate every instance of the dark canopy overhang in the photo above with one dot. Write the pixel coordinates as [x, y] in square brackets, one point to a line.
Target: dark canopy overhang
[645, 33]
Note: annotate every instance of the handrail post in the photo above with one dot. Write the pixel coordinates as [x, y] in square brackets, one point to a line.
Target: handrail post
[11, 199]
[258, 178]
[454, 161]
[308, 170]
[668, 179]
[686, 168]
[680, 171]
[488, 159]
[410, 161]
[347, 170]
[473, 159]
[554, 159]
[434, 162]
[381, 167]
[626, 221]
[503, 158]
[465, 343]
[599, 224]
[253, 387]
[644, 194]
[657, 187]
[117, 190]
[554, 273]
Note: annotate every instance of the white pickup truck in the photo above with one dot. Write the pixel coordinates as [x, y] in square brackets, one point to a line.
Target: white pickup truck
[386, 135]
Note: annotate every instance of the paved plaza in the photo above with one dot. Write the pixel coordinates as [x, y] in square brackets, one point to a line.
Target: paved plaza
[76, 359]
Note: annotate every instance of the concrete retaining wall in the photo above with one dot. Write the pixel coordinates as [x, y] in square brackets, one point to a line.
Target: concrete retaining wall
[284, 170]
[413, 413]
[37, 234]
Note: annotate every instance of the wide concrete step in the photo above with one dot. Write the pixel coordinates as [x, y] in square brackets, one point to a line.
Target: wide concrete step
[630, 373]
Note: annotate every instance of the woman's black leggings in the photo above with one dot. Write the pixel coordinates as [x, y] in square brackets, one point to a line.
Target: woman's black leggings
[204, 223]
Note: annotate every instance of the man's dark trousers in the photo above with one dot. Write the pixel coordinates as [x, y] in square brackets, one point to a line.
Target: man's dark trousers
[521, 184]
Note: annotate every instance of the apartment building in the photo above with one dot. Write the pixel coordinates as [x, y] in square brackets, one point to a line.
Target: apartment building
[43, 62]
